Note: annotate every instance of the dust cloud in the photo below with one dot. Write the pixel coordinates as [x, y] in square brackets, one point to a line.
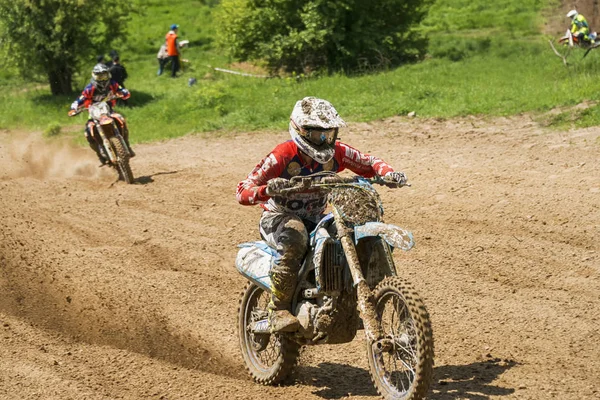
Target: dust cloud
[32, 155]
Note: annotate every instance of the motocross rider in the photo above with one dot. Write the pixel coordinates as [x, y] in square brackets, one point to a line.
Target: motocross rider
[285, 222]
[579, 26]
[99, 87]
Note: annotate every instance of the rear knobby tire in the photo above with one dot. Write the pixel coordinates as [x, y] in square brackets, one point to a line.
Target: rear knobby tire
[411, 333]
[122, 160]
[272, 364]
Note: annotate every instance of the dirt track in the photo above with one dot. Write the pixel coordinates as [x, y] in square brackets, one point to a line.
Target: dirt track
[111, 291]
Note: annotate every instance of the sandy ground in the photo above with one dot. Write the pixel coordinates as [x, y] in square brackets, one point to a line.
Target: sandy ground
[115, 291]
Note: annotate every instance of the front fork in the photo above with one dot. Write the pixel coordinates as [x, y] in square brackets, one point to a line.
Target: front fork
[111, 153]
[107, 147]
[366, 302]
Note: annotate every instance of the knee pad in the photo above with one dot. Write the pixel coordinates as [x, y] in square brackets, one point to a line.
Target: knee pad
[294, 238]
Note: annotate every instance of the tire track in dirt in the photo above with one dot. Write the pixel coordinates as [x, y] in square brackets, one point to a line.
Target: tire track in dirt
[137, 282]
[62, 263]
[92, 309]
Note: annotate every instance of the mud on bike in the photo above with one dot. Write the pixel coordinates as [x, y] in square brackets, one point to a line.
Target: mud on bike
[347, 281]
[110, 135]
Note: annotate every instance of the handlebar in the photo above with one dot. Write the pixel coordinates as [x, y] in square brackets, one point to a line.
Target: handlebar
[110, 96]
[300, 184]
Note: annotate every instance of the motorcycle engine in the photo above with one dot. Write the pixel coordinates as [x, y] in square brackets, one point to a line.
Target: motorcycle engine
[306, 312]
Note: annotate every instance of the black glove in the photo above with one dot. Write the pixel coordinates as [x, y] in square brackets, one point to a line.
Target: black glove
[396, 177]
[275, 185]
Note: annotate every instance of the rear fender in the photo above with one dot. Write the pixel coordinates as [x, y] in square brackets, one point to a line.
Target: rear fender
[254, 261]
[392, 234]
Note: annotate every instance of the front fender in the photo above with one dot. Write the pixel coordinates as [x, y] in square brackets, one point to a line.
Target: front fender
[392, 234]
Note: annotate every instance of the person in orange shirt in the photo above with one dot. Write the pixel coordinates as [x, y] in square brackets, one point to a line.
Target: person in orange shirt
[173, 49]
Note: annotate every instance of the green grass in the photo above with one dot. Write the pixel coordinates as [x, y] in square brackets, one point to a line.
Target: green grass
[522, 17]
[476, 67]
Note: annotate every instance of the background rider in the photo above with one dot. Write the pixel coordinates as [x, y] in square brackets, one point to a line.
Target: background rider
[97, 90]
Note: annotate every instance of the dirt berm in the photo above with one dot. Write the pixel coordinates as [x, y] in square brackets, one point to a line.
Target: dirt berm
[115, 291]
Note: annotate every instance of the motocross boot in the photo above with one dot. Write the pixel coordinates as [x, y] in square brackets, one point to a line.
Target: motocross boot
[131, 152]
[283, 283]
[102, 156]
[99, 150]
[287, 234]
[292, 243]
[280, 317]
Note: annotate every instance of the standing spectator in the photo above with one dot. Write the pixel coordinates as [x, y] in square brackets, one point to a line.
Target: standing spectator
[118, 74]
[163, 58]
[111, 55]
[118, 71]
[173, 49]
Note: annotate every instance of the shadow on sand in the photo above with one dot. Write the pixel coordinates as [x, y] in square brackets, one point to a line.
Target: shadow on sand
[146, 179]
[335, 381]
[451, 382]
[471, 381]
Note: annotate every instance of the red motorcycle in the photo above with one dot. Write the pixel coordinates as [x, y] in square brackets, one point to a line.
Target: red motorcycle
[571, 41]
[113, 142]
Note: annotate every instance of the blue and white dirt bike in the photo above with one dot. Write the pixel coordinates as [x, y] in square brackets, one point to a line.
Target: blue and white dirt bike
[348, 280]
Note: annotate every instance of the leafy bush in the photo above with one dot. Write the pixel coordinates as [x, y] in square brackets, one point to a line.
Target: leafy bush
[309, 35]
[53, 38]
[212, 97]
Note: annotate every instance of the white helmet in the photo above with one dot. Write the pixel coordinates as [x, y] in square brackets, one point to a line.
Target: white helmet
[100, 76]
[572, 14]
[314, 127]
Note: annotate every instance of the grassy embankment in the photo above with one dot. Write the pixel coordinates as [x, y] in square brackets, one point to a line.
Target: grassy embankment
[485, 58]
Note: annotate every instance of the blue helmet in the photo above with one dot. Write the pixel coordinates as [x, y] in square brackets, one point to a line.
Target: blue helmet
[174, 26]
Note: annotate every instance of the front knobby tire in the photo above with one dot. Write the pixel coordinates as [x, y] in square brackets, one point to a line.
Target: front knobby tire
[122, 160]
[403, 370]
[269, 358]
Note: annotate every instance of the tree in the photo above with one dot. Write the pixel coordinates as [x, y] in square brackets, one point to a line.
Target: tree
[53, 38]
[304, 35]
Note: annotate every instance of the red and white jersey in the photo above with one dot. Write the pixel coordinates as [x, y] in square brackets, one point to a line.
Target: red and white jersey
[285, 162]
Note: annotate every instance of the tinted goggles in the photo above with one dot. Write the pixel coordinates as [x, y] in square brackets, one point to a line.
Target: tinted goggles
[319, 136]
[102, 76]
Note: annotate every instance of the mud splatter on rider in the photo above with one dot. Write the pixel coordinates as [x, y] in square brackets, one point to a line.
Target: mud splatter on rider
[99, 87]
[285, 222]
